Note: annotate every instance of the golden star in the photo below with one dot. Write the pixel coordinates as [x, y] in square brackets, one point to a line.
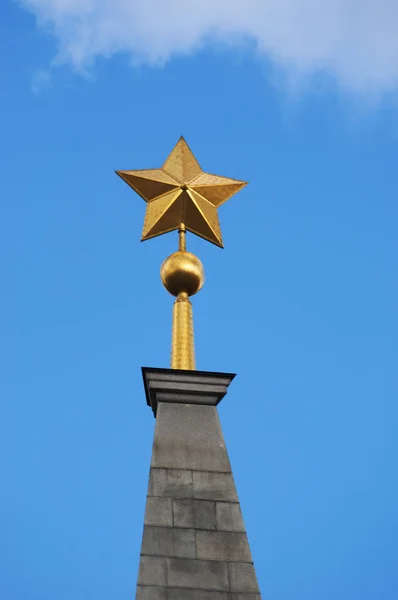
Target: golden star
[181, 193]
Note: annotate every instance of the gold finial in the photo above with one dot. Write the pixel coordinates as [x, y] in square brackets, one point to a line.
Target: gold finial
[180, 196]
[182, 275]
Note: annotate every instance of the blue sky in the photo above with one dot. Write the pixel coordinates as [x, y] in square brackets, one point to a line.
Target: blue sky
[301, 303]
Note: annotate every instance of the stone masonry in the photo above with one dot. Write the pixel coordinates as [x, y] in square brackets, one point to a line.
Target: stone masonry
[194, 544]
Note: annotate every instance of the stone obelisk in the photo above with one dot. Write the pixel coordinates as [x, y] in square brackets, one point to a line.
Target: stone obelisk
[194, 544]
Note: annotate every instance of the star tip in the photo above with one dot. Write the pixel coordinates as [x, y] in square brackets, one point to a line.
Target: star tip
[146, 236]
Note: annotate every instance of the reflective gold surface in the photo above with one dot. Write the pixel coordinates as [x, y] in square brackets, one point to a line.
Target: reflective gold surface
[180, 192]
[182, 272]
[182, 345]
[180, 196]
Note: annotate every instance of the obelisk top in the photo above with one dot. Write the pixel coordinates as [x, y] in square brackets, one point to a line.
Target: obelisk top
[180, 196]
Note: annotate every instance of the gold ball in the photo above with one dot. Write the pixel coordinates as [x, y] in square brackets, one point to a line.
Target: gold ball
[182, 272]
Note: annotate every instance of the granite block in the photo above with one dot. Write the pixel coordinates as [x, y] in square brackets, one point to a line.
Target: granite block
[181, 594]
[150, 593]
[189, 437]
[194, 594]
[202, 574]
[229, 517]
[152, 571]
[198, 514]
[243, 577]
[159, 512]
[244, 596]
[222, 545]
[164, 541]
[214, 486]
[187, 594]
[173, 483]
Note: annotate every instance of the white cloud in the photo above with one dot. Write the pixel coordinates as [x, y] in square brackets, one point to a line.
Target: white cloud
[354, 40]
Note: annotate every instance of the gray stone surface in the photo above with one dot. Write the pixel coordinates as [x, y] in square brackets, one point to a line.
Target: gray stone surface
[242, 577]
[183, 594]
[202, 574]
[159, 512]
[164, 541]
[151, 593]
[193, 594]
[214, 486]
[229, 517]
[222, 545]
[152, 571]
[189, 437]
[170, 483]
[244, 596]
[188, 387]
[199, 514]
[187, 594]
[194, 545]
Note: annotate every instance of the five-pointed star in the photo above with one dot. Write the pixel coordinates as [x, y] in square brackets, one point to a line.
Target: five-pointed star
[181, 193]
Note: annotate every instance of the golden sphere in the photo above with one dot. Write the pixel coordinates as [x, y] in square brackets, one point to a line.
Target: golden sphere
[182, 272]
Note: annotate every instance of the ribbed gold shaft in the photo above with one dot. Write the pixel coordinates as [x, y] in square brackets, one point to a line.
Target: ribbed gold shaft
[182, 345]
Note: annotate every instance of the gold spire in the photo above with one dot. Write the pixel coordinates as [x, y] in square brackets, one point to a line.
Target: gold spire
[180, 196]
